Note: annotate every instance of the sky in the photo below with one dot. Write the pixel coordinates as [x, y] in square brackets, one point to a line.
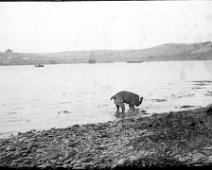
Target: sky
[44, 27]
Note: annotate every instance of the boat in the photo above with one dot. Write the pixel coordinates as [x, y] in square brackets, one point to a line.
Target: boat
[91, 60]
[39, 65]
[106, 62]
[135, 61]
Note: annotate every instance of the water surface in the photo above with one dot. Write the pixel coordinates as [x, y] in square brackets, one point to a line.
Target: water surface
[66, 94]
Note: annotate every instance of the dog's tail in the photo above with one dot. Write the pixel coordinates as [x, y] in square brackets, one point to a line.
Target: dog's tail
[112, 98]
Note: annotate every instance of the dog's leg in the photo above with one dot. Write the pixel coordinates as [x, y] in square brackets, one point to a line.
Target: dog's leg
[117, 106]
[119, 103]
[133, 107]
[123, 108]
[130, 106]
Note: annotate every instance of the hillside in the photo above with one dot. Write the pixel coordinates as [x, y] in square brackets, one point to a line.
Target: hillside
[165, 52]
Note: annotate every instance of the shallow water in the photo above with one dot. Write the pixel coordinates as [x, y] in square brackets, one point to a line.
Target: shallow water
[66, 94]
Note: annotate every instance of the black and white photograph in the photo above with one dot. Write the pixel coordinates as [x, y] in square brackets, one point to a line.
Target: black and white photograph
[105, 84]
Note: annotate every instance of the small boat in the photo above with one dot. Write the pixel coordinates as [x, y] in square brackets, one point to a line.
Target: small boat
[91, 60]
[106, 62]
[39, 65]
[134, 61]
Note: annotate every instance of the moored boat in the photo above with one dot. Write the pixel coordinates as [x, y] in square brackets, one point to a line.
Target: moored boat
[92, 60]
[140, 61]
[39, 65]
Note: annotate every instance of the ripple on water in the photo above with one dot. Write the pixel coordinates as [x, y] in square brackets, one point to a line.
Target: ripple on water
[202, 82]
[182, 96]
[209, 93]
[91, 98]
[159, 100]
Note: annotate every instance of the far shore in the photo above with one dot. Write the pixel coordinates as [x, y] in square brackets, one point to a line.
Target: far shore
[111, 62]
[182, 138]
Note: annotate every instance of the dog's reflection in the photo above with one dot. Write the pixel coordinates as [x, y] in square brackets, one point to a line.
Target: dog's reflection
[130, 113]
[120, 115]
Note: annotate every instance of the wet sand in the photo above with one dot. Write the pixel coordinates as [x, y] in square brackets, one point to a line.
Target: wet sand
[182, 138]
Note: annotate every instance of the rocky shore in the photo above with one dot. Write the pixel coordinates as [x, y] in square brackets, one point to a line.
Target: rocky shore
[170, 139]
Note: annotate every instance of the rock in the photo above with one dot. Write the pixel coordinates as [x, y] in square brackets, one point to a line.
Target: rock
[21, 159]
[40, 150]
[67, 161]
[16, 153]
[88, 159]
[88, 166]
[209, 111]
[206, 152]
[101, 147]
[65, 166]
[53, 161]
[209, 159]
[208, 148]
[26, 162]
[186, 106]
[120, 163]
[43, 166]
[24, 154]
[60, 158]
[177, 156]
[197, 157]
[29, 157]
[10, 148]
[10, 153]
[14, 164]
[77, 163]
[184, 159]
[29, 145]
[66, 141]
[130, 148]
[132, 159]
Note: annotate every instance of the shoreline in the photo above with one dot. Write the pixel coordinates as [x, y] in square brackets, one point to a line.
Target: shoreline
[181, 138]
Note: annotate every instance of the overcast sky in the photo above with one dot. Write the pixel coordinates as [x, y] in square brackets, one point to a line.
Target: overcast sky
[65, 26]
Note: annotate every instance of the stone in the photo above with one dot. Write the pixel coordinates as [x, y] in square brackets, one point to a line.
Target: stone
[65, 166]
[120, 163]
[209, 159]
[130, 148]
[10, 148]
[184, 159]
[53, 161]
[16, 153]
[208, 148]
[209, 111]
[88, 159]
[20, 159]
[67, 161]
[177, 156]
[39, 150]
[43, 166]
[101, 147]
[24, 154]
[10, 153]
[197, 157]
[60, 158]
[133, 159]
[14, 164]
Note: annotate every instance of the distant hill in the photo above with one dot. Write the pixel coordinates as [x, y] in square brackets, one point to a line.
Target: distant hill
[165, 52]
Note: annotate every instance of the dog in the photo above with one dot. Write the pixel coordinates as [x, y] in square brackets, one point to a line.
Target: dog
[126, 97]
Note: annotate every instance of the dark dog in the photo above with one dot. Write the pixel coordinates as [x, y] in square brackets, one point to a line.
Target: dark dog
[126, 97]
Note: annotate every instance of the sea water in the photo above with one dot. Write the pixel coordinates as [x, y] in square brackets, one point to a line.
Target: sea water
[62, 95]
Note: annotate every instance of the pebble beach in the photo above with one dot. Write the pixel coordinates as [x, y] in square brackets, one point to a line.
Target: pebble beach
[182, 138]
